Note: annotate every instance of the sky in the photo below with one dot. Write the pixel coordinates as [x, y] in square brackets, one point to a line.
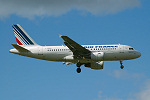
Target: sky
[87, 22]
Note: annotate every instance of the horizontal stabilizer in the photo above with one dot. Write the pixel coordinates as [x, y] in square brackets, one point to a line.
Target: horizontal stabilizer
[19, 48]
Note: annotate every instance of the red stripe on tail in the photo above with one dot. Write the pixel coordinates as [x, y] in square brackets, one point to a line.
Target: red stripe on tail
[18, 41]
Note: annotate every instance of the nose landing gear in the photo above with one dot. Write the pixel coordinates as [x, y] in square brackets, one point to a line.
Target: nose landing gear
[78, 70]
[121, 65]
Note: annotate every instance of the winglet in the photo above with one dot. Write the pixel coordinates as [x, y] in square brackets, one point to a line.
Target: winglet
[60, 35]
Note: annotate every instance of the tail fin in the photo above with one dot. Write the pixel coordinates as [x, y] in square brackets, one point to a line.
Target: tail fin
[22, 38]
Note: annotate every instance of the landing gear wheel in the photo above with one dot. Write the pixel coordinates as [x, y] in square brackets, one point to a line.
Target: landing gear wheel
[78, 70]
[122, 67]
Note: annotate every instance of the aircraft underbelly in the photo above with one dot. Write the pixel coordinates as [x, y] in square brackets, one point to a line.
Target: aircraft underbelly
[55, 56]
[113, 56]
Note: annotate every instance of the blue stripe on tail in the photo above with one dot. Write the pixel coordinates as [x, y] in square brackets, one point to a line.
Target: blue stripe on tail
[23, 35]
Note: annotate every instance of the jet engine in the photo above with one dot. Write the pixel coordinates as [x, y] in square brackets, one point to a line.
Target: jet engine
[97, 56]
[96, 65]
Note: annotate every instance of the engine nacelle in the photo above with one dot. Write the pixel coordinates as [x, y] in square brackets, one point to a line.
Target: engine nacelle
[97, 56]
[96, 65]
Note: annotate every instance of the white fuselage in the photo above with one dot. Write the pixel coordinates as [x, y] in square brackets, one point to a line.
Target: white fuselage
[64, 54]
[91, 56]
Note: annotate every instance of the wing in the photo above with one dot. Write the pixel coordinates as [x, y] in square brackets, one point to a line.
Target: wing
[78, 50]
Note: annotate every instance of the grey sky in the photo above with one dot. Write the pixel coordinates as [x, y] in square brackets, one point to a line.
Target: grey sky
[31, 8]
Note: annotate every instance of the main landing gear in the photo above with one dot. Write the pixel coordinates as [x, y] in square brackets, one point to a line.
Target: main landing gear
[78, 70]
[78, 65]
[121, 65]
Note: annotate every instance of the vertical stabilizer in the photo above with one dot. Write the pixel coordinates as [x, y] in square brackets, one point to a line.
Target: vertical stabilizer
[22, 38]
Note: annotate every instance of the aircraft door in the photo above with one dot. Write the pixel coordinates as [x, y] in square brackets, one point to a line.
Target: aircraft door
[121, 51]
[121, 47]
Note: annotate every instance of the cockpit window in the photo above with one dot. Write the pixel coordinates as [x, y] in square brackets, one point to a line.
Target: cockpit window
[131, 49]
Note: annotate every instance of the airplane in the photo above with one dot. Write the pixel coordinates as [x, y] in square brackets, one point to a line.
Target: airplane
[91, 56]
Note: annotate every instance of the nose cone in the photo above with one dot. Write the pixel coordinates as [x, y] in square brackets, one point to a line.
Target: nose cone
[137, 54]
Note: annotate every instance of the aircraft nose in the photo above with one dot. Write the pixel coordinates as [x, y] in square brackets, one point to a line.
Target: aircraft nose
[138, 54]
